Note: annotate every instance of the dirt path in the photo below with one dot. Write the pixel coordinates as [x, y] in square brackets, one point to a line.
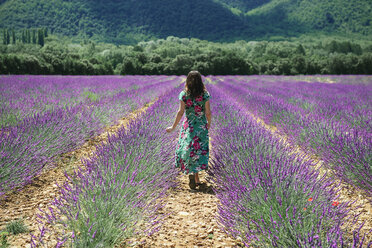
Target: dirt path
[24, 204]
[192, 222]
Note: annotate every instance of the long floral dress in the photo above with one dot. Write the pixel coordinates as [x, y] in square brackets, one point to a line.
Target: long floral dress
[192, 152]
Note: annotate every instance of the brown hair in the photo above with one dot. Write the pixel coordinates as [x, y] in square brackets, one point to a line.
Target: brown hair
[194, 84]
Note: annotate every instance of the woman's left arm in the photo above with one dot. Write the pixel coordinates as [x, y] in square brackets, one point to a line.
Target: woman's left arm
[179, 115]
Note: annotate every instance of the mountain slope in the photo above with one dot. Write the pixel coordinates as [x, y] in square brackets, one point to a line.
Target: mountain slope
[111, 20]
[131, 21]
[242, 5]
[347, 16]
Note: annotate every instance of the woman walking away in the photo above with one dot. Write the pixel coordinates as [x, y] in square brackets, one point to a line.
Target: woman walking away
[192, 151]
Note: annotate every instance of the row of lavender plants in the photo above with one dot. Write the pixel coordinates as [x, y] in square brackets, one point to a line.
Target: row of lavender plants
[333, 121]
[32, 144]
[270, 197]
[25, 95]
[122, 185]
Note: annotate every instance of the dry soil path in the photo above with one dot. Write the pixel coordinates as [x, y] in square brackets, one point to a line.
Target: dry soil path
[192, 222]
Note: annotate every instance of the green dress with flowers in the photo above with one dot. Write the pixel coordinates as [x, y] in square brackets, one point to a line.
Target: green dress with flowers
[192, 152]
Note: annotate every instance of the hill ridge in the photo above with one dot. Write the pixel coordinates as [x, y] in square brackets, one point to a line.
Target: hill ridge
[128, 22]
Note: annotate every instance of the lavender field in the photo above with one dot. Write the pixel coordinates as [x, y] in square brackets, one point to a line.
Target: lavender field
[268, 135]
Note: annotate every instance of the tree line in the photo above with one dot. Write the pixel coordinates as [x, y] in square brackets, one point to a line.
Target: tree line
[26, 36]
[176, 56]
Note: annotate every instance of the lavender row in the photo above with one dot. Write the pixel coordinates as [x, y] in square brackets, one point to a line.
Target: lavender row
[333, 121]
[123, 183]
[269, 196]
[28, 147]
[350, 105]
[23, 96]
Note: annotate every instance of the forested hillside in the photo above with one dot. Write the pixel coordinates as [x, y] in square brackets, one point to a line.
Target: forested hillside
[329, 15]
[128, 22]
[241, 6]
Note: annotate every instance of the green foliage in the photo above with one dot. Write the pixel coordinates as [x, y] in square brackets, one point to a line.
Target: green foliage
[304, 55]
[8, 119]
[28, 36]
[129, 22]
[40, 37]
[93, 97]
[16, 227]
[13, 36]
[3, 239]
[4, 37]
[34, 36]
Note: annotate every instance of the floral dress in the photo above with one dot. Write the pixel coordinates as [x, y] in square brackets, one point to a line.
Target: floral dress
[192, 152]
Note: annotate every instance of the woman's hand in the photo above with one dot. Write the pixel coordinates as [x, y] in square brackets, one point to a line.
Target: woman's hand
[169, 129]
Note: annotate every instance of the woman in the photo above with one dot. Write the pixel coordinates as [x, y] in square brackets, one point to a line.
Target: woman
[192, 152]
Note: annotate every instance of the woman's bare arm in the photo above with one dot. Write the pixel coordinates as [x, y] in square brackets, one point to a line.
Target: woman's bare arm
[208, 114]
[179, 115]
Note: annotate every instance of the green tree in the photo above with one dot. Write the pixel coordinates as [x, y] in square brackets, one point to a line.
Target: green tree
[356, 48]
[182, 64]
[28, 36]
[4, 36]
[34, 36]
[40, 36]
[7, 37]
[345, 47]
[13, 36]
[23, 37]
[300, 50]
[366, 60]
[298, 65]
[128, 67]
[333, 46]
[45, 32]
[337, 65]
[91, 48]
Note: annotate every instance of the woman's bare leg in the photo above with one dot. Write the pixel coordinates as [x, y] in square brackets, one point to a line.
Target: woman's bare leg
[197, 177]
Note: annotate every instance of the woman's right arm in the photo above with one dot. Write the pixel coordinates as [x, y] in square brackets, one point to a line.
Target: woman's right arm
[208, 114]
[179, 115]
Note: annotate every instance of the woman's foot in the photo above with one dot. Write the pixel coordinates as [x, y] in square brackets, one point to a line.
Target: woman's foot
[192, 183]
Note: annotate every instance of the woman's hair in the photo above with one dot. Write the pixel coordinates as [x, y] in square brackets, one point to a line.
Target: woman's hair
[194, 84]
